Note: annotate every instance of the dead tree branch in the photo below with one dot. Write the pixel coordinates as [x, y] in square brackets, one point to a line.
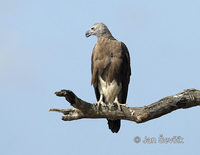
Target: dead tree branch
[82, 109]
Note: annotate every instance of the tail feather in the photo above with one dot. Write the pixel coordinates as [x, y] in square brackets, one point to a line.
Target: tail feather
[114, 125]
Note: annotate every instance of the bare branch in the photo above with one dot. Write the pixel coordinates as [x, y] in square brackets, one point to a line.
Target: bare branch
[82, 109]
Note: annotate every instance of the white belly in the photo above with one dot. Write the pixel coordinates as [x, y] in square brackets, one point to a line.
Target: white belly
[109, 91]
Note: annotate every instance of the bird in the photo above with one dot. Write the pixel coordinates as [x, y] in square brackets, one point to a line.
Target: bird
[111, 70]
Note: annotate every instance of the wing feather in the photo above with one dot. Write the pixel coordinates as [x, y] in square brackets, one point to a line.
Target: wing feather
[125, 74]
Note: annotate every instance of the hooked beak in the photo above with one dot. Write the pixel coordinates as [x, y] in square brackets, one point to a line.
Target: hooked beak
[88, 33]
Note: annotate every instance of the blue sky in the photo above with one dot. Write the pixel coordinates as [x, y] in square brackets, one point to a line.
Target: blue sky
[43, 49]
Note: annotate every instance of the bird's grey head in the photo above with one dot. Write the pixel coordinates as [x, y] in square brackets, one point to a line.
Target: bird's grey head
[99, 30]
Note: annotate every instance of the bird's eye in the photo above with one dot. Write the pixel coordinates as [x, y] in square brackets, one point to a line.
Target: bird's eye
[92, 28]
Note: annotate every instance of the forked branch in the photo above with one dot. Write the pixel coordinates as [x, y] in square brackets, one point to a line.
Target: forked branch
[82, 109]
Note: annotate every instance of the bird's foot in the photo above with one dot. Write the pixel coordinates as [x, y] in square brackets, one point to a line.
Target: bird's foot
[119, 105]
[99, 104]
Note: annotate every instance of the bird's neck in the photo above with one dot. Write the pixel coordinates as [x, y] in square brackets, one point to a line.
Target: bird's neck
[106, 35]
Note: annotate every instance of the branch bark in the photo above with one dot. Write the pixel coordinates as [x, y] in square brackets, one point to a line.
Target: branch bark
[82, 109]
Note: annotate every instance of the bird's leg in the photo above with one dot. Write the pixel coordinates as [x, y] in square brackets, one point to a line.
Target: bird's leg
[110, 105]
[100, 102]
[118, 104]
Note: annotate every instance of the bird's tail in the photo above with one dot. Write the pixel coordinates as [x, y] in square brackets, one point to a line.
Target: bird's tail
[114, 125]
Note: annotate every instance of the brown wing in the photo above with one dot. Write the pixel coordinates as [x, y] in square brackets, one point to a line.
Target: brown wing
[96, 83]
[125, 74]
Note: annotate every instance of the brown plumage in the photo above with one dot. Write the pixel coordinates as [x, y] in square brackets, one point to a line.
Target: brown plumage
[110, 69]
